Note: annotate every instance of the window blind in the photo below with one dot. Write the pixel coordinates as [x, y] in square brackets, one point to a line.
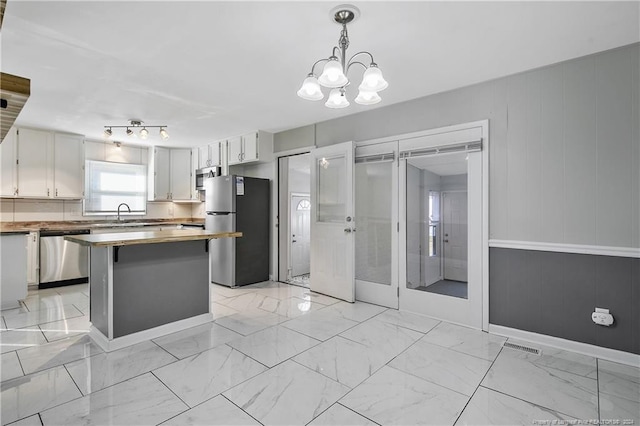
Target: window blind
[109, 184]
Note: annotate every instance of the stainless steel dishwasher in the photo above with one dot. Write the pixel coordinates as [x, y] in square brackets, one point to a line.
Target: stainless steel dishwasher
[62, 262]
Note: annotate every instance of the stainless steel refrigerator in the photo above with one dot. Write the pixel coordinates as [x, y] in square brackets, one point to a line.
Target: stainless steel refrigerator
[238, 203]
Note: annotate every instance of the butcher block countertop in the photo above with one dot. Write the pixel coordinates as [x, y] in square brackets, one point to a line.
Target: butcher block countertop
[147, 237]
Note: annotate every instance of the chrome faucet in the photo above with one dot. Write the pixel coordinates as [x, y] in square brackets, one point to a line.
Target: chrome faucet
[120, 205]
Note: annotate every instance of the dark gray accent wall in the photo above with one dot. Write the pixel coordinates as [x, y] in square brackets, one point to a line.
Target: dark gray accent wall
[155, 284]
[555, 293]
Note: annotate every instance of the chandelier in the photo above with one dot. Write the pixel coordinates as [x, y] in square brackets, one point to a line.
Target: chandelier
[135, 125]
[336, 68]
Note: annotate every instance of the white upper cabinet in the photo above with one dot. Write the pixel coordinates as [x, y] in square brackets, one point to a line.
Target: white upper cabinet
[170, 174]
[255, 146]
[8, 170]
[204, 158]
[35, 151]
[209, 155]
[180, 174]
[68, 175]
[158, 174]
[235, 151]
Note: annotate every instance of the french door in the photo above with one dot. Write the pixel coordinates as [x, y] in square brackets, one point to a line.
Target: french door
[376, 239]
[333, 221]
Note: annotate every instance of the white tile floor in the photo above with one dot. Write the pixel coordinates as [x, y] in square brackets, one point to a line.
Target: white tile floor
[280, 354]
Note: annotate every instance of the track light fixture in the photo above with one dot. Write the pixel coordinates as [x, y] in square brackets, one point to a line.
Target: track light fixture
[336, 68]
[134, 125]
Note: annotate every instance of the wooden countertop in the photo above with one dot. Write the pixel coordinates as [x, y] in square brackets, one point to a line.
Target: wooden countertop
[89, 224]
[147, 237]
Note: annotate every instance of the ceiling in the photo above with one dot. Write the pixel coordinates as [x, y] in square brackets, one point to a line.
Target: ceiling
[211, 70]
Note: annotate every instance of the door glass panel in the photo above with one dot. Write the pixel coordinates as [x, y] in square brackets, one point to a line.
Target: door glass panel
[437, 224]
[331, 175]
[373, 189]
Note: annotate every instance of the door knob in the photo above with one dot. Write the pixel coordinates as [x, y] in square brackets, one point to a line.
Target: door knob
[446, 241]
[347, 230]
[293, 241]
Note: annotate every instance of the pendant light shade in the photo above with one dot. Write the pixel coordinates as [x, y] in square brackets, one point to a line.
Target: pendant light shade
[310, 89]
[337, 99]
[332, 75]
[367, 98]
[372, 80]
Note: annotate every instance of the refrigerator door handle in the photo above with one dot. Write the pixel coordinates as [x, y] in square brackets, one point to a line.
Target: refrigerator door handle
[218, 213]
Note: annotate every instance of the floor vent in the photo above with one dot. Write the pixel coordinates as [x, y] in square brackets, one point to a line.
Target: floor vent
[521, 348]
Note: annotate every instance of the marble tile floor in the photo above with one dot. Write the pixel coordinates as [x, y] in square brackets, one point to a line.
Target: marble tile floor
[277, 354]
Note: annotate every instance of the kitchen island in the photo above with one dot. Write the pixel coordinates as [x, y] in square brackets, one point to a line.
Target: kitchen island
[146, 284]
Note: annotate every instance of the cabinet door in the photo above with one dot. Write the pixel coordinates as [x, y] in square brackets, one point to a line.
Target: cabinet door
[34, 151]
[161, 174]
[67, 166]
[215, 153]
[250, 145]
[32, 258]
[8, 170]
[180, 174]
[204, 158]
[234, 147]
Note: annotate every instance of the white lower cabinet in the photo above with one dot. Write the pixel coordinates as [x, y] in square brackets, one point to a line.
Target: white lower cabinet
[13, 280]
[33, 262]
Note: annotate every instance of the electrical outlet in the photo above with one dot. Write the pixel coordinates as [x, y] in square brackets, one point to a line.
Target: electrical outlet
[602, 316]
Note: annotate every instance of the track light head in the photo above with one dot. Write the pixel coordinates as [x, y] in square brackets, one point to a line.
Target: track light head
[144, 133]
[107, 132]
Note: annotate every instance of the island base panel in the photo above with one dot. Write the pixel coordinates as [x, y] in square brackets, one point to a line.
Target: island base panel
[156, 284]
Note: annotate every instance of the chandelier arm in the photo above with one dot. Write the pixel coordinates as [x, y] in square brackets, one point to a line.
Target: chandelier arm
[364, 52]
[355, 63]
[316, 63]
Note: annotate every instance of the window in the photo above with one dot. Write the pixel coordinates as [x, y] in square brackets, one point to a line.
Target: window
[109, 184]
[304, 205]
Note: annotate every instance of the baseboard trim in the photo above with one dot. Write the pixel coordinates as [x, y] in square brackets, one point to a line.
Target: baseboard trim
[569, 345]
[567, 248]
[141, 336]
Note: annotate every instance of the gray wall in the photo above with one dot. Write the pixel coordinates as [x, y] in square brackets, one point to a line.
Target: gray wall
[564, 165]
[564, 156]
[555, 294]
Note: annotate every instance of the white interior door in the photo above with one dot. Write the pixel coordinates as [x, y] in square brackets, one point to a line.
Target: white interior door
[454, 221]
[300, 235]
[332, 221]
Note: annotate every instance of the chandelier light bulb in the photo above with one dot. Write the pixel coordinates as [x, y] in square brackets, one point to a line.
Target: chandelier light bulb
[367, 98]
[337, 99]
[163, 134]
[372, 80]
[310, 89]
[144, 133]
[332, 74]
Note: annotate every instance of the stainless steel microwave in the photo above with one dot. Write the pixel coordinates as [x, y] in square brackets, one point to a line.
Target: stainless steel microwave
[203, 174]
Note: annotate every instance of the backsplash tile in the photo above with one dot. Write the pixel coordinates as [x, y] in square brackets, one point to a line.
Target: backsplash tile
[197, 210]
[72, 210]
[6, 210]
[38, 210]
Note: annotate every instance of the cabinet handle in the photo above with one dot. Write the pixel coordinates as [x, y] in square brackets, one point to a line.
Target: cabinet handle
[47, 192]
[240, 157]
[56, 192]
